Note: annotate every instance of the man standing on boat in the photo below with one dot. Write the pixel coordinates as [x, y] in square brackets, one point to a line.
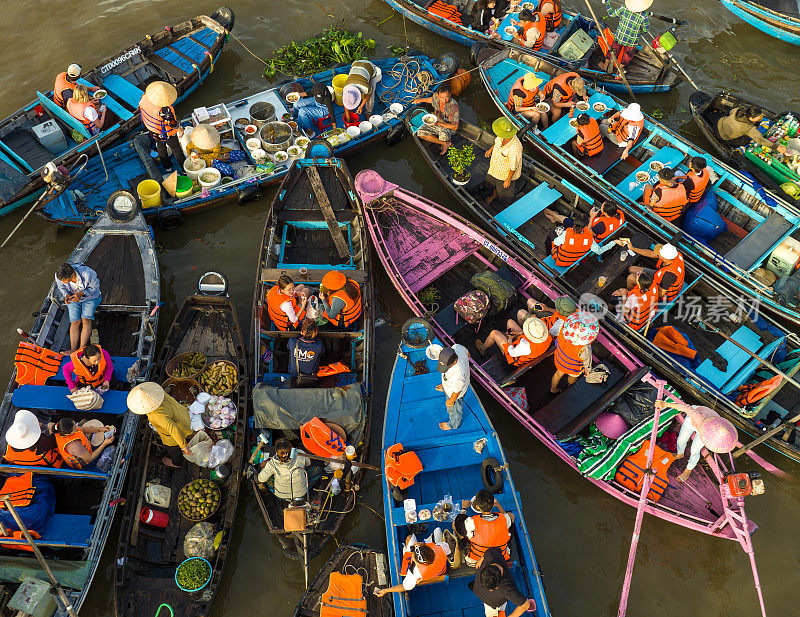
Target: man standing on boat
[505, 162]
[495, 587]
[453, 364]
[633, 23]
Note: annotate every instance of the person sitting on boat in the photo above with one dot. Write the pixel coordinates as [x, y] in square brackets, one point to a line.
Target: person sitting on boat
[316, 105]
[740, 127]
[288, 471]
[573, 242]
[286, 304]
[206, 143]
[494, 585]
[91, 366]
[28, 442]
[487, 14]
[572, 348]
[86, 110]
[551, 11]
[668, 198]
[706, 429]
[74, 446]
[505, 162]
[519, 345]
[167, 416]
[523, 98]
[605, 221]
[562, 92]
[158, 117]
[79, 288]
[639, 303]
[447, 117]
[487, 529]
[422, 562]
[564, 306]
[305, 352]
[588, 141]
[453, 364]
[697, 180]
[533, 27]
[669, 273]
[624, 128]
[340, 298]
[634, 21]
[65, 84]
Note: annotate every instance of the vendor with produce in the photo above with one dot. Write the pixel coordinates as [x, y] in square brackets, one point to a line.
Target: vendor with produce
[168, 417]
[740, 127]
[287, 468]
[205, 142]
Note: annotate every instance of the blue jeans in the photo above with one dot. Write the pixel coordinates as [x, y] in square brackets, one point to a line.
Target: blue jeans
[456, 413]
[306, 111]
[82, 310]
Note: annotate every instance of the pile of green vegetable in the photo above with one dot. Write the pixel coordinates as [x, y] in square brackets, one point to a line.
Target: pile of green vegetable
[193, 574]
[318, 53]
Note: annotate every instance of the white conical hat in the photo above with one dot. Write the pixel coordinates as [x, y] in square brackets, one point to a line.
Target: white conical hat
[637, 6]
[145, 398]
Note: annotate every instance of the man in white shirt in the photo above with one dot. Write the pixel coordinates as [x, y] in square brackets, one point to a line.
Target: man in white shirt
[453, 364]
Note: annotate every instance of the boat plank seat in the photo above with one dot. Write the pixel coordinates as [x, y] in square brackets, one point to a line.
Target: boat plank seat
[12, 180]
[668, 156]
[167, 60]
[751, 366]
[63, 531]
[313, 216]
[737, 203]
[115, 402]
[443, 452]
[121, 366]
[560, 132]
[123, 89]
[448, 320]
[528, 206]
[62, 114]
[605, 160]
[63, 472]
[314, 275]
[759, 242]
[111, 103]
[735, 357]
[26, 148]
[505, 499]
[502, 372]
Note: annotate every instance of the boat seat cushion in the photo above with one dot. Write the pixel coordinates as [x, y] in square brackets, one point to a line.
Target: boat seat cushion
[121, 366]
[759, 242]
[64, 531]
[62, 114]
[55, 397]
[123, 89]
[25, 145]
[528, 206]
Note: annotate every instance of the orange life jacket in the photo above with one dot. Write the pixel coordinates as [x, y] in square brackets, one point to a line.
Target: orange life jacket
[541, 25]
[35, 364]
[699, 184]
[489, 534]
[678, 269]
[631, 472]
[85, 376]
[611, 224]
[620, 129]
[62, 83]
[537, 349]
[606, 42]
[575, 246]
[670, 205]
[351, 310]
[29, 456]
[568, 356]
[592, 140]
[18, 535]
[275, 297]
[528, 101]
[753, 393]
[160, 128]
[561, 82]
[553, 20]
[646, 302]
[448, 11]
[334, 368]
[344, 596]
[428, 571]
[19, 490]
[70, 459]
[318, 438]
[76, 110]
[401, 467]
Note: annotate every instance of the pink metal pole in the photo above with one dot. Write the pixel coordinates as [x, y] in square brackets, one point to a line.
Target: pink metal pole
[637, 528]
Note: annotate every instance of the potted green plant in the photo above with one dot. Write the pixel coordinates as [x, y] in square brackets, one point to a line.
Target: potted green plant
[460, 159]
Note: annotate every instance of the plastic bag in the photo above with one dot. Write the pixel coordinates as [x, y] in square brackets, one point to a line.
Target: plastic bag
[220, 453]
[199, 541]
[444, 511]
[200, 445]
[637, 403]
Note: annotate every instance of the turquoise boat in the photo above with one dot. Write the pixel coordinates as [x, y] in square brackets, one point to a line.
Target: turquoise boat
[778, 18]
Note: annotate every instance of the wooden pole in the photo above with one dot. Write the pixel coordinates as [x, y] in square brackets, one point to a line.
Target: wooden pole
[613, 57]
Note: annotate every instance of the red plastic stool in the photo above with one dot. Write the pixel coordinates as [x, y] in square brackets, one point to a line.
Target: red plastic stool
[323, 123]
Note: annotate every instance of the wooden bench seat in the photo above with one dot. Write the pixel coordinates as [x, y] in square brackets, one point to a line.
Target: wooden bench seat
[64, 472]
[314, 275]
[121, 366]
[505, 499]
[115, 402]
[63, 531]
[123, 89]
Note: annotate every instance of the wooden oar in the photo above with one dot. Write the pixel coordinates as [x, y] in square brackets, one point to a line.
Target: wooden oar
[613, 57]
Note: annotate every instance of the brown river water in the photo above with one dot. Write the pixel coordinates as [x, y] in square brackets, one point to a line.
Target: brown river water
[580, 534]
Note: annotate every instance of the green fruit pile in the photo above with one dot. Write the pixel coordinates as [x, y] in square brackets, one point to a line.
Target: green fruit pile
[199, 499]
[193, 574]
[190, 364]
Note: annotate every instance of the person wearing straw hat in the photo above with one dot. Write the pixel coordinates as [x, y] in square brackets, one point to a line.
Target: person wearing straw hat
[505, 162]
[28, 443]
[167, 416]
[158, 117]
[633, 23]
[65, 84]
[447, 117]
[519, 345]
[523, 98]
[206, 143]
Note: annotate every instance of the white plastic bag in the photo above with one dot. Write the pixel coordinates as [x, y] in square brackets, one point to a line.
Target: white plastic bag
[220, 453]
[200, 445]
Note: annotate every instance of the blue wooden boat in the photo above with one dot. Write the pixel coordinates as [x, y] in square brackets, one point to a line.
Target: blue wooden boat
[751, 221]
[453, 464]
[131, 162]
[41, 131]
[778, 18]
[649, 71]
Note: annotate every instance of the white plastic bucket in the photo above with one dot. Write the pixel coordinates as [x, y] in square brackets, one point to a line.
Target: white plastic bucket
[209, 184]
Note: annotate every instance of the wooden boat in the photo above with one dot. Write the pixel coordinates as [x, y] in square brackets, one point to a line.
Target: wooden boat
[72, 542]
[524, 225]
[131, 162]
[182, 55]
[404, 227]
[778, 18]
[357, 560]
[649, 71]
[753, 224]
[148, 556]
[315, 198]
[707, 110]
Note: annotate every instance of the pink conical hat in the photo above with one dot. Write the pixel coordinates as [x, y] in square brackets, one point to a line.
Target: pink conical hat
[718, 434]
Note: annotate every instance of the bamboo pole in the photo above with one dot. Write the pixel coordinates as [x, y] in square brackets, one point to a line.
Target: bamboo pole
[613, 57]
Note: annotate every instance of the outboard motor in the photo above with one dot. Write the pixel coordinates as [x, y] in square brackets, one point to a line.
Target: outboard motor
[55, 177]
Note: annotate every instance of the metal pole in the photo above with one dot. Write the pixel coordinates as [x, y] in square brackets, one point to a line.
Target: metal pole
[613, 57]
[680, 68]
[61, 594]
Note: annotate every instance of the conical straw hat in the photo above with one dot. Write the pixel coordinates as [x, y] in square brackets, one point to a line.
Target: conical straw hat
[161, 93]
[205, 137]
[171, 183]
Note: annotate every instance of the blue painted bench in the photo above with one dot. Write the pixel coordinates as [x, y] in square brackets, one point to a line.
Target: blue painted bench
[123, 89]
[64, 472]
[560, 132]
[115, 402]
[528, 206]
[736, 357]
[121, 366]
[751, 367]
[110, 102]
[668, 156]
[456, 449]
[63, 531]
[505, 499]
[62, 114]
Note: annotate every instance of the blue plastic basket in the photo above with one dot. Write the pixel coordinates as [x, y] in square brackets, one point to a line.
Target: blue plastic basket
[208, 580]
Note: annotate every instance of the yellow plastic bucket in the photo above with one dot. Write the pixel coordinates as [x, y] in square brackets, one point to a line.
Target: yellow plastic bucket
[338, 84]
[149, 193]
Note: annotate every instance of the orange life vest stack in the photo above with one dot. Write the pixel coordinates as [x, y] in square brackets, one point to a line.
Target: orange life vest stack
[35, 364]
[751, 394]
[631, 473]
[320, 439]
[447, 11]
[344, 596]
[401, 467]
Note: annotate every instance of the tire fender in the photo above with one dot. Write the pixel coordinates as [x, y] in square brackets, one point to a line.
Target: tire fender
[133, 207]
[492, 475]
[248, 194]
[170, 219]
[446, 65]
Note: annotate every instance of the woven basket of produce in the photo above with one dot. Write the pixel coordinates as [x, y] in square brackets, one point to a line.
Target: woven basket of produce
[187, 365]
[199, 500]
[219, 378]
[182, 390]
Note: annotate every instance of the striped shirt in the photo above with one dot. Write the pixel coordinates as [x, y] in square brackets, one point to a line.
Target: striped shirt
[506, 158]
[631, 25]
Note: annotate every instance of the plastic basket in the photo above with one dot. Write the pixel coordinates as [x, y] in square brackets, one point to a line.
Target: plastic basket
[208, 580]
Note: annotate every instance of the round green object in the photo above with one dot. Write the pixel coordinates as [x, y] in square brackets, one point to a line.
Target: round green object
[184, 184]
